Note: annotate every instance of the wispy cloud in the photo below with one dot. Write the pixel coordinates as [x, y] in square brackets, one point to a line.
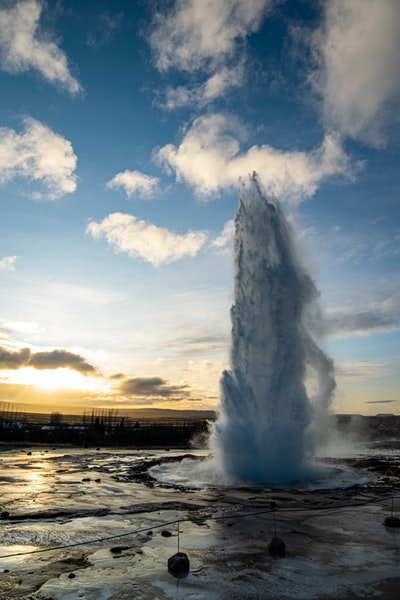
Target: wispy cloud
[198, 343]
[23, 327]
[209, 159]
[40, 155]
[87, 295]
[364, 244]
[140, 239]
[193, 33]
[24, 46]
[382, 317]
[358, 53]
[201, 94]
[103, 28]
[7, 263]
[205, 38]
[360, 370]
[53, 359]
[134, 182]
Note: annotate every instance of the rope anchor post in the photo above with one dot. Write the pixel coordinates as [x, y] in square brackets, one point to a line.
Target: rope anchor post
[276, 546]
[392, 521]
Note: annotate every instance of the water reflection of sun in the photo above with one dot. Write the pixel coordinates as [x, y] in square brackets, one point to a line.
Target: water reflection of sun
[37, 478]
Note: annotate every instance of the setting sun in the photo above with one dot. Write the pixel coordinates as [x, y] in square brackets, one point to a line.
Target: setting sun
[51, 379]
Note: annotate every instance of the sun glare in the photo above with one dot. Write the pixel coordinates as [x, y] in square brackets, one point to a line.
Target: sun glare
[51, 379]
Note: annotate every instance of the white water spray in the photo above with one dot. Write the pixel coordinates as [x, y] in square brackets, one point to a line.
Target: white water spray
[268, 423]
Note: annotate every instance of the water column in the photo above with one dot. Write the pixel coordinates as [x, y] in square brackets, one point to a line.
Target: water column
[263, 432]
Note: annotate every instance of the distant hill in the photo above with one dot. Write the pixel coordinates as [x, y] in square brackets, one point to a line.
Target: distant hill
[164, 414]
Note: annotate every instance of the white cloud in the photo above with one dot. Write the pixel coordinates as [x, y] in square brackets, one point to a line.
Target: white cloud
[226, 236]
[134, 182]
[23, 46]
[358, 49]
[23, 326]
[39, 155]
[205, 37]
[7, 263]
[209, 159]
[140, 239]
[194, 35]
[214, 87]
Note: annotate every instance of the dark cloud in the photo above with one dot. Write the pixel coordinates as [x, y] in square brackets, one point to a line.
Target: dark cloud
[61, 358]
[380, 401]
[117, 376]
[197, 345]
[152, 387]
[53, 359]
[11, 359]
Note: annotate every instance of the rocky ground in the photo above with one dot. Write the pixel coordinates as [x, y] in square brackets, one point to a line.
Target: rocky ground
[95, 525]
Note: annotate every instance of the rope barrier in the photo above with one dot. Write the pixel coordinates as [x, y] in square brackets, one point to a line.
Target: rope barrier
[180, 520]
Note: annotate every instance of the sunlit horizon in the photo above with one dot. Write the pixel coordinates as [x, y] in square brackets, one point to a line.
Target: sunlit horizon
[125, 131]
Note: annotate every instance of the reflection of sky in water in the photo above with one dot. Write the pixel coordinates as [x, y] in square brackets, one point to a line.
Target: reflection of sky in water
[25, 480]
[15, 549]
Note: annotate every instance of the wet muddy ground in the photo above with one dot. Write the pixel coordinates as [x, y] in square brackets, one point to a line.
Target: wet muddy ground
[93, 524]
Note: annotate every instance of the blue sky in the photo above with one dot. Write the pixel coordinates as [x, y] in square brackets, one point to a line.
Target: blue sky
[124, 129]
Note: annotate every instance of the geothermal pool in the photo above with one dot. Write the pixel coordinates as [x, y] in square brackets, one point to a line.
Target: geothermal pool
[93, 524]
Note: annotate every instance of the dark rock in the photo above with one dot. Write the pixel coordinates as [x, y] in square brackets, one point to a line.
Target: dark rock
[166, 533]
[5, 514]
[71, 576]
[118, 549]
[178, 564]
[276, 546]
[392, 522]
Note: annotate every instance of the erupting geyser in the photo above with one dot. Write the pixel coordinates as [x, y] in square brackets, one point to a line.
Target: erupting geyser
[268, 421]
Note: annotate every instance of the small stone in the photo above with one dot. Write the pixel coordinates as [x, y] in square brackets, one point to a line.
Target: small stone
[71, 576]
[178, 564]
[166, 533]
[118, 549]
[276, 546]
